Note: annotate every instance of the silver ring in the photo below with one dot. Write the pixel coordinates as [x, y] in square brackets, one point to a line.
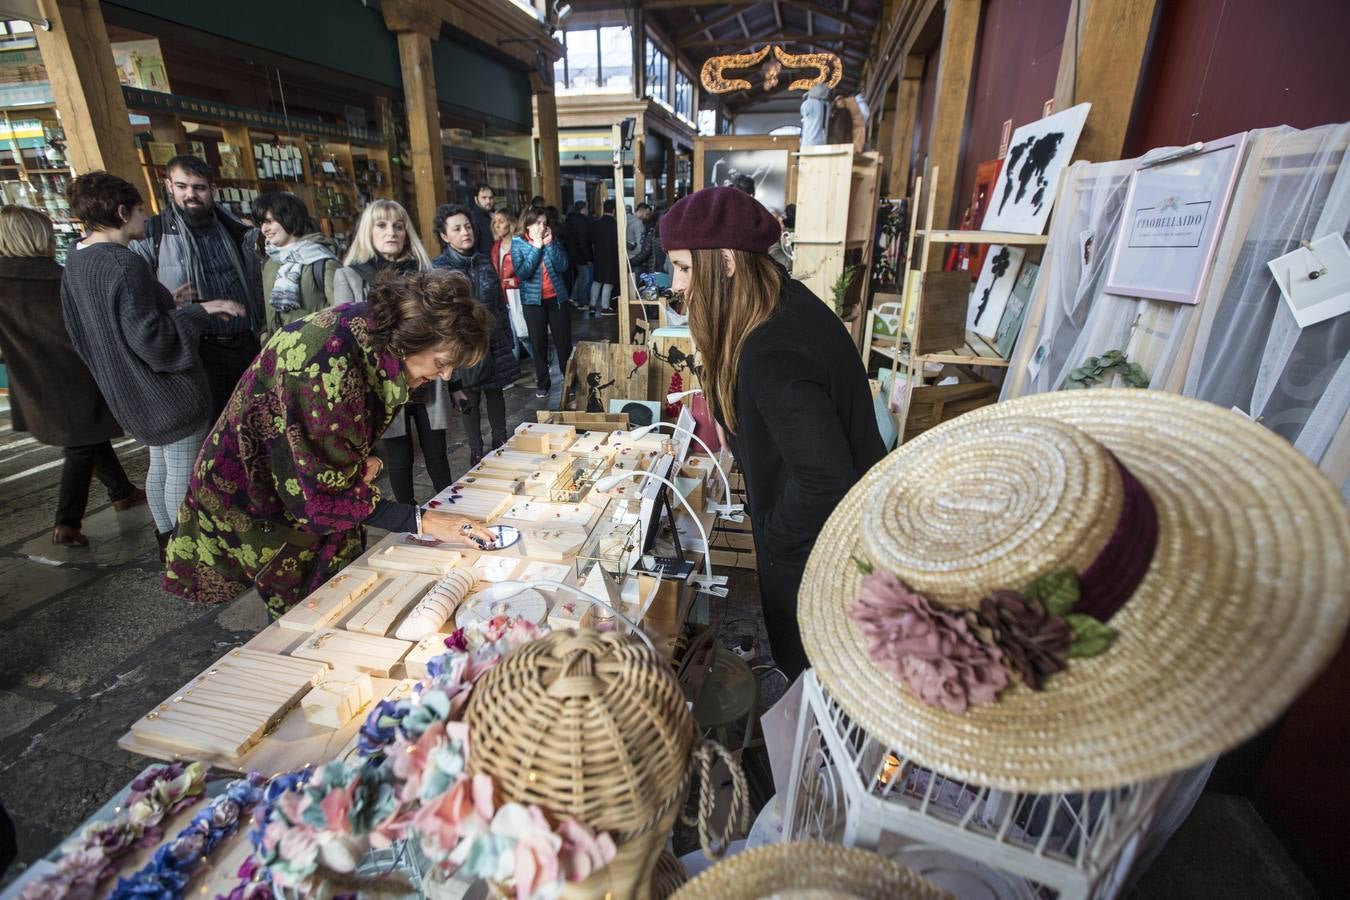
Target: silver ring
[467, 529]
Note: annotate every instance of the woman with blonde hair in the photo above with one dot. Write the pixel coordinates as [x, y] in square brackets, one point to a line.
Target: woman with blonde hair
[52, 394]
[385, 245]
[782, 377]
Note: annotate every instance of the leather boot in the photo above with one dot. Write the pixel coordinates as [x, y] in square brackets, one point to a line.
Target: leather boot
[69, 537]
[135, 498]
[163, 538]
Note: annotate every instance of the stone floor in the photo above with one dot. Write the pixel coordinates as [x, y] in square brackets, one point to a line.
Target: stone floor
[88, 639]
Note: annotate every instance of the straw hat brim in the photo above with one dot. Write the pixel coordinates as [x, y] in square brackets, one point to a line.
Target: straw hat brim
[1246, 598]
[824, 870]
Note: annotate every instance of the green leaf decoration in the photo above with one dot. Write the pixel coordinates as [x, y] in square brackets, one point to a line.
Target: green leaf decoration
[863, 565]
[1057, 592]
[1090, 637]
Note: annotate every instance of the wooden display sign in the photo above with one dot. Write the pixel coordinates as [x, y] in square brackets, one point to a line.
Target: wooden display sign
[227, 708]
[941, 321]
[351, 650]
[599, 372]
[674, 366]
[329, 602]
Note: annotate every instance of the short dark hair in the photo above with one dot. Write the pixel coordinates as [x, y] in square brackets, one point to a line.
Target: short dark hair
[538, 200]
[642, 206]
[447, 211]
[790, 216]
[478, 188]
[95, 199]
[192, 165]
[286, 209]
[579, 206]
[745, 184]
[609, 207]
[424, 310]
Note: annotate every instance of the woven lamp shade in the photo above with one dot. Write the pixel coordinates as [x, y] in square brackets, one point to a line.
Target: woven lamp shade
[589, 725]
[809, 871]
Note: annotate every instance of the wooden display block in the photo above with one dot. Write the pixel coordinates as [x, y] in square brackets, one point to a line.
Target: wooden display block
[526, 442]
[941, 320]
[423, 652]
[516, 462]
[553, 543]
[227, 708]
[570, 612]
[491, 479]
[337, 699]
[328, 603]
[474, 503]
[560, 436]
[351, 650]
[437, 605]
[389, 601]
[598, 423]
[414, 558]
[541, 512]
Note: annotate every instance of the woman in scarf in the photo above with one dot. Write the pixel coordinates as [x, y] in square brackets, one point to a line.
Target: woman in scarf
[300, 266]
[385, 243]
[285, 483]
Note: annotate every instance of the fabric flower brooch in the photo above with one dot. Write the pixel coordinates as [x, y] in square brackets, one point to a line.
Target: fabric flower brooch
[954, 658]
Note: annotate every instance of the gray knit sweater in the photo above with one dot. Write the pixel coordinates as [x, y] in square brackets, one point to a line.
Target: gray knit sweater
[141, 348]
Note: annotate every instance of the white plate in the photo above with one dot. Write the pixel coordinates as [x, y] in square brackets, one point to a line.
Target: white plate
[527, 603]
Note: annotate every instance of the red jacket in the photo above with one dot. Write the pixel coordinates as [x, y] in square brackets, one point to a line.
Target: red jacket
[506, 269]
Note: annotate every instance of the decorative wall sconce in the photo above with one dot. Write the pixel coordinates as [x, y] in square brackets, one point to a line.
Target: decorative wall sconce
[829, 69]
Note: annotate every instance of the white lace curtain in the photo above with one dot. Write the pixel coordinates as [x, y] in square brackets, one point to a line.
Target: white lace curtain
[1240, 345]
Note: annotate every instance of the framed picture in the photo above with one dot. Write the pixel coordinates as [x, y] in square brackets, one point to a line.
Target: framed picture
[1025, 190]
[993, 288]
[640, 412]
[1170, 225]
[1015, 311]
[767, 159]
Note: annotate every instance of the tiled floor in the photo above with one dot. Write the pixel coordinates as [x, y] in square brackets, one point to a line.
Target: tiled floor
[88, 639]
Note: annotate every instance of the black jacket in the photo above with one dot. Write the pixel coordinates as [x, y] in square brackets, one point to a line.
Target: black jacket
[604, 234]
[650, 257]
[482, 229]
[806, 430]
[577, 238]
[499, 368]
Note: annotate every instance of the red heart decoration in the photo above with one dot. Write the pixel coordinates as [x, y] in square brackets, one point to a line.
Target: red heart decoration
[639, 357]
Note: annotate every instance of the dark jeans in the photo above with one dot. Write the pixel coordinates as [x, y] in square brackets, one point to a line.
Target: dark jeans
[473, 422]
[81, 465]
[225, 359]
[540, 320]
[779, 582]
[397, 453]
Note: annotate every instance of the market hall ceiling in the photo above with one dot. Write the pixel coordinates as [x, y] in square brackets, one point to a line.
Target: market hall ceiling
[703, 28]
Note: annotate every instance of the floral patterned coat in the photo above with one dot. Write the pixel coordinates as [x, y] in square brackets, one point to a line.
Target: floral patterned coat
[277, 495]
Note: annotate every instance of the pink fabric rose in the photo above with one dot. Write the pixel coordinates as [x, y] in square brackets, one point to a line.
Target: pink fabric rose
[932, 651]
[583, 852]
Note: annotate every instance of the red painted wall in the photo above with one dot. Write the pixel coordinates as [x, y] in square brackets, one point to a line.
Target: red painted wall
[1015, 67]
[1218, 67]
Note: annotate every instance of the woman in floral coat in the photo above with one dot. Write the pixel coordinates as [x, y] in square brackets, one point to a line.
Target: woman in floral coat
[285, 481]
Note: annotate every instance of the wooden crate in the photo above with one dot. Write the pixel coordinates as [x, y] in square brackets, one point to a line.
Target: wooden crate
[601, 422]
[930, 406]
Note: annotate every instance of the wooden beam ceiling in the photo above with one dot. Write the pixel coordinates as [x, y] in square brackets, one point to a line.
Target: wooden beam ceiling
[812, 39]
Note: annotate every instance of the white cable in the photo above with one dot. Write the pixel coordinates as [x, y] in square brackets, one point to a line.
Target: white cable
[591, 598]
[604, 485]
[638, 434]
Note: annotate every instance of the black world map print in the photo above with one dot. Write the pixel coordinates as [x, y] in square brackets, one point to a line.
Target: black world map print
[999, 266]
[1035, 155]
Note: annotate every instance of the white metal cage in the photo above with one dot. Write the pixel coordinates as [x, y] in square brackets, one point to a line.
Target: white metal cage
[847, 787]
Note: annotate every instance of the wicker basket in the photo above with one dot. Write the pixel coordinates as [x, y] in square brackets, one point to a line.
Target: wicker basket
[668, 876]
[591, 726]
[807, 870]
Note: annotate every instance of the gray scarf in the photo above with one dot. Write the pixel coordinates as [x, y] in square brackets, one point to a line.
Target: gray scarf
[194, 256]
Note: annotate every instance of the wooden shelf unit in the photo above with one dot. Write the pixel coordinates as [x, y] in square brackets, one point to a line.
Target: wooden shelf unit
[939, 302]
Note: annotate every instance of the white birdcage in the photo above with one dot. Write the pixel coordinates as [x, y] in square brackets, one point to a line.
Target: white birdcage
[847, 787]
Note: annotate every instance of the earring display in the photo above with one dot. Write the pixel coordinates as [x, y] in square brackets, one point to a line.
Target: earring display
[379, 613]
[337, 699]
[437, 605]
[325, 605]
[352, 650]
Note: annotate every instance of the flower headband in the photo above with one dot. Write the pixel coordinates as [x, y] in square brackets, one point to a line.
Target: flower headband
[955, 657]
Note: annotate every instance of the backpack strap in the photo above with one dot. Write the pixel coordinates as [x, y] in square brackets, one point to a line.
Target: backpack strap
[319, 271]
[155, 232]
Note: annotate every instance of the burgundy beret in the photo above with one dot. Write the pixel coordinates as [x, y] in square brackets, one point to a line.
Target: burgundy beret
[719, 218]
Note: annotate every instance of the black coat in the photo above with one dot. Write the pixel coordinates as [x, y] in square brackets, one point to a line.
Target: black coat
[577, 238]
[481, 220]
[500, 367]
[650, 257]
[806, 431]
[604, 234]
[51, 391]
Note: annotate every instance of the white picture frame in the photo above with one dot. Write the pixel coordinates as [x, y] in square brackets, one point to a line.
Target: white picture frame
[1025, 189]
[1173, 214]
[993, 288]
[1315, 299]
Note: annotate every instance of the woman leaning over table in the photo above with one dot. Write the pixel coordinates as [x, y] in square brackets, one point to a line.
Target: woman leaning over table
[785, 382]
[286, 480]
[387, 246]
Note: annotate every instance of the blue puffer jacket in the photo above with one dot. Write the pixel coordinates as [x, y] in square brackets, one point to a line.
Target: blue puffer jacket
[527, 258]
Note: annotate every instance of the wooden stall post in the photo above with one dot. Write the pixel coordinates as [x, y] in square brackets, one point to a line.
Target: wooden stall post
[1112, 42]
[79, 61]
[548, 173]
[624, 293]
[902, 128]
[960, 28]
[417, 27]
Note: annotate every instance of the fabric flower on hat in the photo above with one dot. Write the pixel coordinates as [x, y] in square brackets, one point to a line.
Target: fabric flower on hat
[1035, 642]
[932, 651]
[583, 852]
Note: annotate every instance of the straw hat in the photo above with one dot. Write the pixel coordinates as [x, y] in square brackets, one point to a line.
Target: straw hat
[807, 870]
[1243, 600]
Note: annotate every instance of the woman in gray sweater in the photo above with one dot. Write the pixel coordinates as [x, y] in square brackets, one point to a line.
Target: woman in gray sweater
[137, 340]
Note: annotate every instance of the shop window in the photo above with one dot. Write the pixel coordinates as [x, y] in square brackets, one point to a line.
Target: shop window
[583, 59]
[616, 58]
[658, 75]
[684, 97]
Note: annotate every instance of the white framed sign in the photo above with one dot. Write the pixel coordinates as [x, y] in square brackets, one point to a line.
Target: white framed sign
[1170, 226]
